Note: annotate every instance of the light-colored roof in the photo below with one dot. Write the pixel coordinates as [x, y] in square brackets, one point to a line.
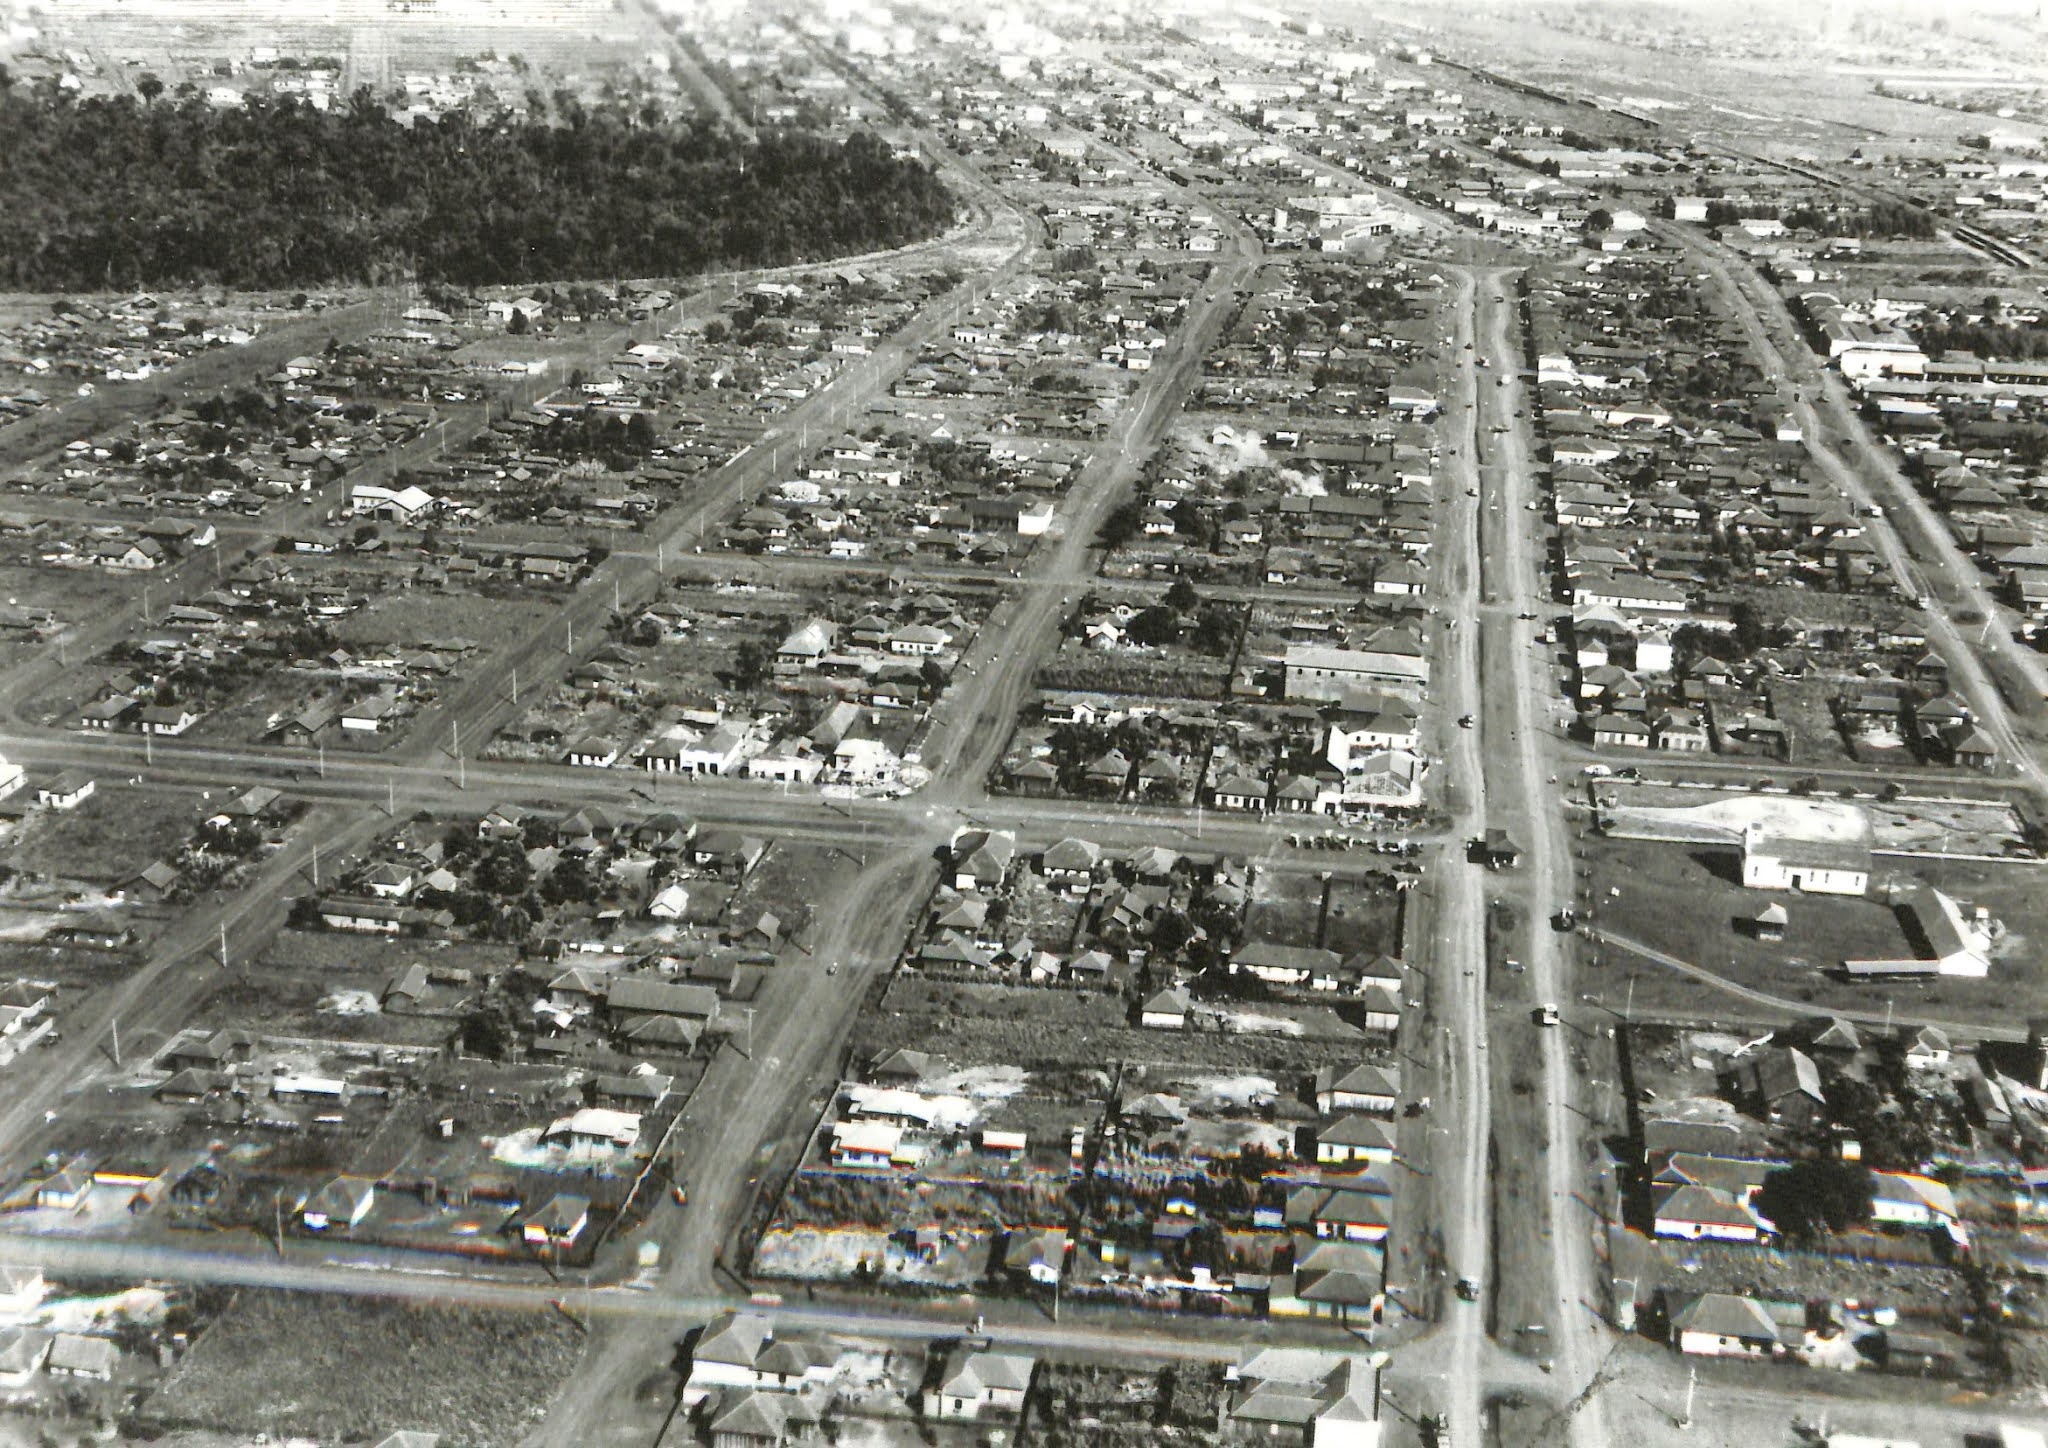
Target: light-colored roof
[1721, 1314]
[978, 1371]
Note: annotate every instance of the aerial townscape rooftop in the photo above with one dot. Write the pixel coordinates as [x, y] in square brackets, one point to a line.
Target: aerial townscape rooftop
[745, 724]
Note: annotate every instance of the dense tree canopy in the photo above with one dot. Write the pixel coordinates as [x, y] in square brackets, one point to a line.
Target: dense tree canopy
[1808, 1198]
[113, 193]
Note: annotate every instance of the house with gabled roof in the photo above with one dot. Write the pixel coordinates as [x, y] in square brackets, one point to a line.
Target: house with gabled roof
[1303, 1396]
[1781, 1083]
[759, 1418]
[631, 999]
[557, 1222]
[75, 1355]
[1363, 1087]
[1721, 1324]
[742, 1350]
[67, 791]
[1691, 1211]
[342, 1203]
[1352, 1137]
[1239, 792]
[981, 1382]
[981, 858]
[1359, 1211]
[1341, 1281]
[1166, 1011]
[903, 1064]
[1288, 967]
[1071, 861]
[1037, 1255]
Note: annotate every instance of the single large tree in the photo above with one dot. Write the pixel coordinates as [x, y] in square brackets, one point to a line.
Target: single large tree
[1810, 1198]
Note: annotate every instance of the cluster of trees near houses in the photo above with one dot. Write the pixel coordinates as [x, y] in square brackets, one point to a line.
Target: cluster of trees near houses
[1896, 219]
[1993, 336]
[116, 192]
[1882, 219]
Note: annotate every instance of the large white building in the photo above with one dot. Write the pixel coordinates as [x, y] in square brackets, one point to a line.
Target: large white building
[1773, 860]
[1314, 672]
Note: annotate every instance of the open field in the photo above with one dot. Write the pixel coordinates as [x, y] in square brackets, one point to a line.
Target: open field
[352, 1370]
[1909, 824]
[407, 617]
[1041, 1029]
[70, 593]
[1686, 86]
[1287, 909]
[1686, 903]
[109, 837]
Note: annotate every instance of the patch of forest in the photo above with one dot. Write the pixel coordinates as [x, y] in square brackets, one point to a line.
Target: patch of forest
[110, 193]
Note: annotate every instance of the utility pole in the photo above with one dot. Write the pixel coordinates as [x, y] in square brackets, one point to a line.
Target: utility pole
[323, 759]
[1692, 1382]
[223, 945]
[117, 1043]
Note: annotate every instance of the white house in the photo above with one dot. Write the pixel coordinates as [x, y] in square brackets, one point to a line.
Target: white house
[873, 1144]
[1692, 1211]
[1364, 1087]
[982, 1382]
[741, 1350]
[1166, 1011]
[1906, 1199]
[393, 505]
[718, 752]
[1354, 732]
[671, 902]
[1354, 1138]
[66, 791]
[1719, 1324]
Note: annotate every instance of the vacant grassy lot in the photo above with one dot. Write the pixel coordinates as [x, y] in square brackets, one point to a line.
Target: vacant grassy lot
[1047, 1030]
[70, 593]
[785, 883]
[1288, 909]
[108, 838]
[344, 1370]
[410, 617]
